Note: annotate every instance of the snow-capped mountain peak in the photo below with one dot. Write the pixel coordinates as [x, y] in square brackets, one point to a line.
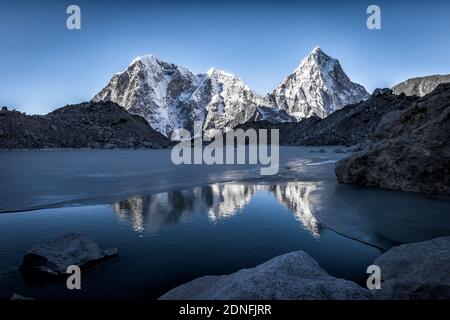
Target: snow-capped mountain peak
[228, 102]
[214, 72]
[148, 59]
[319, 58]
[153, 89]
[171, 97]
[318, 86]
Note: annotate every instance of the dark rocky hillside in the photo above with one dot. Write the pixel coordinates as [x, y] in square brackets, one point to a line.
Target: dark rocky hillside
[353, 124]
[85, 125]
[409, 151]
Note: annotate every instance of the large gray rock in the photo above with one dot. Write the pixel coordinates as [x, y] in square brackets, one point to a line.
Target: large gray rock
[291, 276]
[53, 257]
[409, 151]
[416, 271]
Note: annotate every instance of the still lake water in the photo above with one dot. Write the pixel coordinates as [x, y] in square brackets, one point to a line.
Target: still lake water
[176, 223]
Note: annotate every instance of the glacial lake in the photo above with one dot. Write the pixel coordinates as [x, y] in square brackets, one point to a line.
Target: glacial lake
[173, 224]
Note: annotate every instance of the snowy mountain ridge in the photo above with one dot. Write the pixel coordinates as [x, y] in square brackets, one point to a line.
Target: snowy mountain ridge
[171, 97]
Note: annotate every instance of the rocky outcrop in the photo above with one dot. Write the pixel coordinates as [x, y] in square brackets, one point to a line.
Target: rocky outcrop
[53, 257]
[86, 125]
[420, 86]
[416, 271]
[409, 151]
[353, 124]
[291, 276]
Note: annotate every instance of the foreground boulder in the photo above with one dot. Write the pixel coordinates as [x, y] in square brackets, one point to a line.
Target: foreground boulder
[53, 257]
[416, 271]
[409, 151]
[411, 271]
[291, 276]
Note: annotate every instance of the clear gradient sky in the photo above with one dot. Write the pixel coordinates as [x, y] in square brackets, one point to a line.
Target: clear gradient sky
[44, 66]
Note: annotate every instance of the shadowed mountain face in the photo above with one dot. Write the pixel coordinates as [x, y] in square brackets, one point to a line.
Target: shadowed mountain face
[86, 125]
[409, 151]
[420, 86]
[220, 201]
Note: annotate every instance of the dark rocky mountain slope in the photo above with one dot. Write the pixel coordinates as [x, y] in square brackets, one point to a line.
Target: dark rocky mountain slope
[409, 151]
[86, 125]
[353, 124]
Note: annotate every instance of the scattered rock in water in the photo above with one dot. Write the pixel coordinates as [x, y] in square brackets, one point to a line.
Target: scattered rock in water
[290, 276]
[18, 297]
[53, 257]
[416, 271]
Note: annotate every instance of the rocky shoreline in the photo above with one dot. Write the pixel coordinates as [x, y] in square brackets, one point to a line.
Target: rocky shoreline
[413, 271]
[410, 271]
[409, 150]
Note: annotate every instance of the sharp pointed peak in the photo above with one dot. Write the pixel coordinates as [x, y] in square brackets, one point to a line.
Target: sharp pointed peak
[317, 56]
[215, 71]
[151, 61]
[212, 71]
[146, 59]
[317, 50]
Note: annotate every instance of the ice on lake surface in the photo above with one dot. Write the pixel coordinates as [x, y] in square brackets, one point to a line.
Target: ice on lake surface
[175, 223]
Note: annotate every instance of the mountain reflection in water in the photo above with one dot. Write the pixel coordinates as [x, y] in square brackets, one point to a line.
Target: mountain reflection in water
[218, 201]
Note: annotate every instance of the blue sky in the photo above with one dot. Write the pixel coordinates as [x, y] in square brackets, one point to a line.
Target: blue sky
[44, 66]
